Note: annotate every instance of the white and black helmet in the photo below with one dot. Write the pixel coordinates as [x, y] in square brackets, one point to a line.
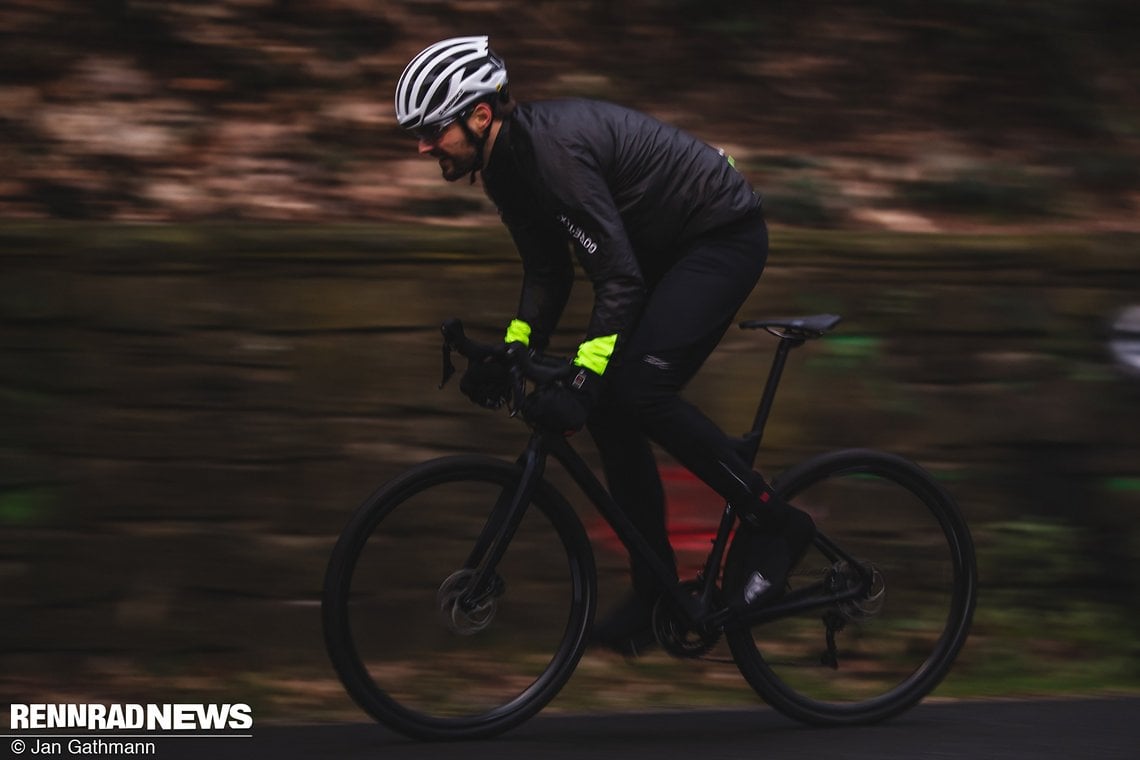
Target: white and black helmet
[447, 78]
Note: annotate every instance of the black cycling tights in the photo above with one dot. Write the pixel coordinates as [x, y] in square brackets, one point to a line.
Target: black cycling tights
[687, 313]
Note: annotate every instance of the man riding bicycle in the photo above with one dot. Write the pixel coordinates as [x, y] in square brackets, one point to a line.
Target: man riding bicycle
[673, 239]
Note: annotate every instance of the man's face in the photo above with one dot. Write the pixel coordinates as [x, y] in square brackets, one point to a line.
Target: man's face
[454, 151]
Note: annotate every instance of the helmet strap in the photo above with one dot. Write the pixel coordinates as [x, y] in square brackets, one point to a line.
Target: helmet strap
[478, 141]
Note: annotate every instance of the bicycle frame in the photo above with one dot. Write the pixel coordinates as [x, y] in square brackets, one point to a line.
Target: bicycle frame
[701, 613]
[632, 538]
[410, 678]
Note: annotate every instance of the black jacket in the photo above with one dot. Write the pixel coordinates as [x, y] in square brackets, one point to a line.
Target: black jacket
[627, 191]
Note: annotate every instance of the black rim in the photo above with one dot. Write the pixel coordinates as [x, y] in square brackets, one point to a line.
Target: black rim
[959, 612]
[339, 635]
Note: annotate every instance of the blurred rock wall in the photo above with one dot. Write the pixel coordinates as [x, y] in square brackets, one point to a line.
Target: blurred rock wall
[188, 415]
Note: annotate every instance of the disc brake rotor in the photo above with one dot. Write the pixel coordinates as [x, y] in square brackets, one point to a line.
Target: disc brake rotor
[462, 617]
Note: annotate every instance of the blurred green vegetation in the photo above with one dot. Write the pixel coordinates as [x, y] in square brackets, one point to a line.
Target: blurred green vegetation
[1051, 619]
[993, 193]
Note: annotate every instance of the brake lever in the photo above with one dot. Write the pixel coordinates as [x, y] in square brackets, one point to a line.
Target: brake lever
[518, 391]
[448, 367]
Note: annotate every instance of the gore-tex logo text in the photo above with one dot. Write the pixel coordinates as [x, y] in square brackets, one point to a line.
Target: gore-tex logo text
[578, 234]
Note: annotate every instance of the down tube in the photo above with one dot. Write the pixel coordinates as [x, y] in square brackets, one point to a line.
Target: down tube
[629, 535]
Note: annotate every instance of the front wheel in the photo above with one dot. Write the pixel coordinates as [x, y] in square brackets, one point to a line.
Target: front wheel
[891, 532]
[428, 641]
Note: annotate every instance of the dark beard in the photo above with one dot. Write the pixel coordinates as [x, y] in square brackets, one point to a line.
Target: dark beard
[457, 168]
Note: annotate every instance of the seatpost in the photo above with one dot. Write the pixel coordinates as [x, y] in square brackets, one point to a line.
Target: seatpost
[755, 435]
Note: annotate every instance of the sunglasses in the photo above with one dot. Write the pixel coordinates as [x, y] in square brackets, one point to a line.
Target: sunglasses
[431, 132]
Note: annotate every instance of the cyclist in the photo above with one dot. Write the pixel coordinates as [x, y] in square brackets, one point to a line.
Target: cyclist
[673, 239]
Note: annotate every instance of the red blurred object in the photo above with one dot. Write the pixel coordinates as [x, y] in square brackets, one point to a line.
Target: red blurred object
[692, 514]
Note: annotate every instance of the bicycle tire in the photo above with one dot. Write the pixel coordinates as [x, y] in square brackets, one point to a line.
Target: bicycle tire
[392, 628]
[896, 646]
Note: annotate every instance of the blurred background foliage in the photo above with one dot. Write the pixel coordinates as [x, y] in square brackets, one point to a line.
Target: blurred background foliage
[847, 112]
[221, 267]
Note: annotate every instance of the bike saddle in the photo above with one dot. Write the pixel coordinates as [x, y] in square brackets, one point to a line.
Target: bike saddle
[802, 328]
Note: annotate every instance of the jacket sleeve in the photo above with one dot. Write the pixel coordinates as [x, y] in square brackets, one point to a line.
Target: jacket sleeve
[548, 276]
[599, 239]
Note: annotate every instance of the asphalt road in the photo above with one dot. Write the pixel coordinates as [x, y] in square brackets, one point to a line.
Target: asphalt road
[1100, 729]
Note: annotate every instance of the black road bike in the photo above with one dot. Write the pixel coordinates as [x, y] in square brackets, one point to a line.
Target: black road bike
[460, 596]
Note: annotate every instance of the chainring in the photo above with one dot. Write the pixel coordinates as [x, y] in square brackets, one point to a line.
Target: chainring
[675, 636]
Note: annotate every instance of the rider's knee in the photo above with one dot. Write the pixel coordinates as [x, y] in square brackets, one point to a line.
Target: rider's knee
[639, 389]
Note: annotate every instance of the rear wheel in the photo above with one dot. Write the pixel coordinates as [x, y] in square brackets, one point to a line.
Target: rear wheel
[910, 555]
[416, 643]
